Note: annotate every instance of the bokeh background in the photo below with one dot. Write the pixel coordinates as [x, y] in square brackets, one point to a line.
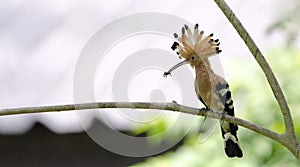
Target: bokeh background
[40, 42]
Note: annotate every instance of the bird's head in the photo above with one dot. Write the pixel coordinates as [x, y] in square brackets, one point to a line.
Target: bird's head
[193, 47]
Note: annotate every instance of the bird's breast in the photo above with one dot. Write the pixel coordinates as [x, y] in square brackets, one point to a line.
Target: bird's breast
[206, 89]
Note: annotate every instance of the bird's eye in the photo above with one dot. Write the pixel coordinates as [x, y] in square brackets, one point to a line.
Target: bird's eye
[193, 57]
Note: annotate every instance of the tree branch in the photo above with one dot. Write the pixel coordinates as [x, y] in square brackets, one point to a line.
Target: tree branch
[291, 141]
[143, 105]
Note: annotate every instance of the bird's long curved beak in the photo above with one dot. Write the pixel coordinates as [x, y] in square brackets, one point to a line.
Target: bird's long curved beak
[175, 67]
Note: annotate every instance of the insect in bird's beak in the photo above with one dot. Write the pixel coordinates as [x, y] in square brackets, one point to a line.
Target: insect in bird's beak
[175, 67]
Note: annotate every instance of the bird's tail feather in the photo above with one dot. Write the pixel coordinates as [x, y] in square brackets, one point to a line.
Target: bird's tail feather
[231, 142]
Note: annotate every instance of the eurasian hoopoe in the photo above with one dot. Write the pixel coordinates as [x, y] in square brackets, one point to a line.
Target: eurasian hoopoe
[211, 89]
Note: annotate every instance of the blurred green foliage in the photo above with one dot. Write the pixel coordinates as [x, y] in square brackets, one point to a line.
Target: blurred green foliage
[287, 21]
[254, 101]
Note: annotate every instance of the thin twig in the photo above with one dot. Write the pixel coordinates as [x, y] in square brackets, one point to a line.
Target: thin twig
[288, 121]
[143, 105]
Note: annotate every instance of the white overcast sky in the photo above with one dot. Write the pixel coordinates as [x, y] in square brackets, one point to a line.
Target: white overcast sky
[41, 40]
